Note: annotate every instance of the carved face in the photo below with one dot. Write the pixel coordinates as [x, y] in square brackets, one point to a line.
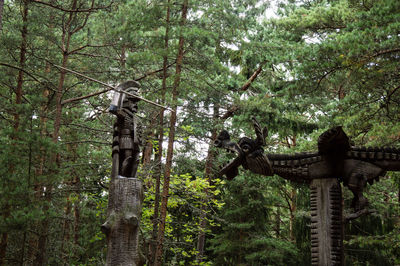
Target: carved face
[122, 100]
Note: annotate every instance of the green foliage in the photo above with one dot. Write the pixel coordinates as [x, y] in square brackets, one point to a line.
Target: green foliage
[245, 237]
[324, 63]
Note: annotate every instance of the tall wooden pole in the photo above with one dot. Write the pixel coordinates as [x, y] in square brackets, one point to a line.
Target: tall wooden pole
[326, 222]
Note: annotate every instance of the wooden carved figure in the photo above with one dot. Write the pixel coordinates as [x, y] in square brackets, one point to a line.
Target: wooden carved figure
[335, 161]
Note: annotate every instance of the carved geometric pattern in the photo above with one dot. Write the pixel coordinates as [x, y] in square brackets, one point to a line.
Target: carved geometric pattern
[326, 222]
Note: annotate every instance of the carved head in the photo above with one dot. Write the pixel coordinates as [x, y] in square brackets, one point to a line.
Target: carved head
[249, 153]
[125, 100]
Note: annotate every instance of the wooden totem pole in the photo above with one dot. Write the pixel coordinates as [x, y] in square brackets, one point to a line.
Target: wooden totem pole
[126, 191]
[335, 161]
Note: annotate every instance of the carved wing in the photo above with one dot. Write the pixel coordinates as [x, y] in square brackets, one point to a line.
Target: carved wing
[260, 134]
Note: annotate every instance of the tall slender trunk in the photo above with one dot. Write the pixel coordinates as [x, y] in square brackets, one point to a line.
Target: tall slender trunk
[208, 171]
[40, 258]
[171, 138]
[148, 148]
[292, 207]
[33, 239]
[69, 226]
[77, 212]
[1, 14]
[66, 229]
[293, 194]
[18, 101]
[158, 155]
[278, 222]
[55, 157]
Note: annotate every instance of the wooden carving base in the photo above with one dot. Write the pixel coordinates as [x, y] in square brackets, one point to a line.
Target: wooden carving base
[122, 225]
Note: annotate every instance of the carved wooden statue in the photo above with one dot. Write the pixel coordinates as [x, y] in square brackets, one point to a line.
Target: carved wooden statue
[336, 160]
[126, 191]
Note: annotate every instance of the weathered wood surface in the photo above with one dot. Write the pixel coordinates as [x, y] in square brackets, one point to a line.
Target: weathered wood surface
[326, 222]
[123, 219]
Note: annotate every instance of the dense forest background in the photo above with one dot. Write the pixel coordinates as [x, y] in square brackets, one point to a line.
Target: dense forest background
[299, 67]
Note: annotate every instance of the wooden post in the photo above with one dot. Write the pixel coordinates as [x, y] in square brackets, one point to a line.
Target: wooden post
[123, 219]
[326, 222]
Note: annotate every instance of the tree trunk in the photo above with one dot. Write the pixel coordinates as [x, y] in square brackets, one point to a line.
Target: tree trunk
[77, 214]
[157, 176]
[1, 14]
[40, 258]
[37, 186]
[66, 37]
[158, 155]
[66, 229]
[278, 222]
[208, 172]
[122, 225]
[170, 150]
[18, 101]
[292, 207]
[148, 148]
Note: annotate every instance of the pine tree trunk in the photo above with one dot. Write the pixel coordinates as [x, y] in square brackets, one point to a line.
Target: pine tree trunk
[278, 222]
[66, 229]
[208, 171]
[157, 177]
[55, 157]
[158, 155]
[72, 150]
[18, 101]
[38, 187]
[170, 150]
[40, 258]
[292, 211]
[1, 14]
[291, 143]
[148, 148]
[77, 213]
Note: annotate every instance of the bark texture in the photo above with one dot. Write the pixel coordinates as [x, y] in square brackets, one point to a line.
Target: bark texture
[170, 150]
[158, 155]
[122, 225]
[1, 14]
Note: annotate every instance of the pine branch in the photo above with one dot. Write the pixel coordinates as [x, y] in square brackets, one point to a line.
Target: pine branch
[72, 10]
[154, 72]
[85, 96]
[232, 109]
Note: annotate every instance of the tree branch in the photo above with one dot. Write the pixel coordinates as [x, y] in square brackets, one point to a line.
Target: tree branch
[73, 10]
[85, 96]
[360, 213]
[78, 28]
[232, 109]
[153, 72]
[97, 55]
[253, 77]
[89, 45]
[20, 69]
[388, 51]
